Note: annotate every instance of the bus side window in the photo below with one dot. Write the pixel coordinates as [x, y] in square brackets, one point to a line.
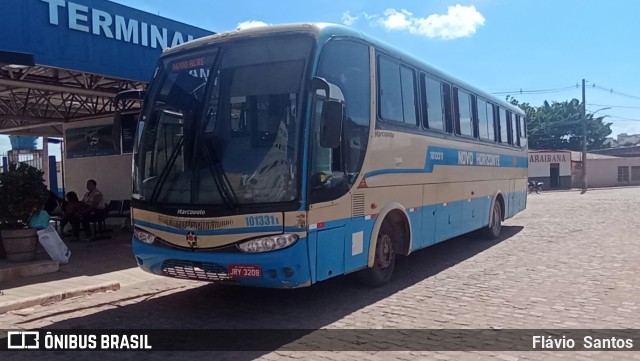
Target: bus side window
[491, 126]
[514, 130]
[433, 102]
[503, 127]
[408, 96]
[390, 91]
[397, 92]
[463, 119]
[485, 120]
[523, 131]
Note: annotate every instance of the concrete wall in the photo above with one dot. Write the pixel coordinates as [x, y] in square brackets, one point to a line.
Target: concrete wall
[539, 162]
[112, 173]
[604, 172]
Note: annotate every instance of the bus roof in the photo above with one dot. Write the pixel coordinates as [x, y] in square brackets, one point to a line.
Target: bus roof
[324, 31]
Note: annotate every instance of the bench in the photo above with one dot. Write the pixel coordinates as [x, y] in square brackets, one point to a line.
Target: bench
[98, 218]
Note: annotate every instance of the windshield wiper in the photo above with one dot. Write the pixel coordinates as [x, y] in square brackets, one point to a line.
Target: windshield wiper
[166, 170]
[219, 176]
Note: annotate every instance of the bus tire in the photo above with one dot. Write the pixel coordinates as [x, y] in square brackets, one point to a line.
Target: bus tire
[384, 262]
[492, 231]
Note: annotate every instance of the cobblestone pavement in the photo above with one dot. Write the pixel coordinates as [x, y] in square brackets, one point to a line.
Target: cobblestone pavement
[569, 261]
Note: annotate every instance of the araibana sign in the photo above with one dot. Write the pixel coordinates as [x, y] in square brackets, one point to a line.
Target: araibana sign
[95, 36]
[541, 162]
[549, 158]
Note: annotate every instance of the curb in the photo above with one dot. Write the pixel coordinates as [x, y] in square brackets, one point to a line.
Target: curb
[57, 296]
[9, 272]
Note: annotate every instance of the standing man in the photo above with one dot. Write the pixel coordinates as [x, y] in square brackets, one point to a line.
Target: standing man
[95, 207]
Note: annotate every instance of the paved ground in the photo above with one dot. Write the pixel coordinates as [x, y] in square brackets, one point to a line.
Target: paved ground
[569, 261]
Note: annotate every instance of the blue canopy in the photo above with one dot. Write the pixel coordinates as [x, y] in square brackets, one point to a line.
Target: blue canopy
[93, 36]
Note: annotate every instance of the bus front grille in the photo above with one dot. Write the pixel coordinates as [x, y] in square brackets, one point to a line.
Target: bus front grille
[195, 270]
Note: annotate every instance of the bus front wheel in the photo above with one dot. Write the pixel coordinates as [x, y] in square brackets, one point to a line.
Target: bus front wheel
[384, 261]
[495, 225]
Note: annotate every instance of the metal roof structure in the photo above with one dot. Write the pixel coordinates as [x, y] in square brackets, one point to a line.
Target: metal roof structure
[40, 99]
[64, 61]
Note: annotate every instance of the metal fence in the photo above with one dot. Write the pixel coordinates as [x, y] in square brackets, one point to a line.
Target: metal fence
[33, 158]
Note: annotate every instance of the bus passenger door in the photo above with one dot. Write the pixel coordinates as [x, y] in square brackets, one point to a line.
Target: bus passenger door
[336, 155]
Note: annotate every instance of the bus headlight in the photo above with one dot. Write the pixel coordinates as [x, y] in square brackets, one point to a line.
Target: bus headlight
[144, 236]
[266, 244]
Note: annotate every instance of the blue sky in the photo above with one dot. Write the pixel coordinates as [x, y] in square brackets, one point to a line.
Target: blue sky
[497, 45]
[542, 47]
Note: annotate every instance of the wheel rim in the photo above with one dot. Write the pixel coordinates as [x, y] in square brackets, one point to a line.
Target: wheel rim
[495, 227]
[385, 251]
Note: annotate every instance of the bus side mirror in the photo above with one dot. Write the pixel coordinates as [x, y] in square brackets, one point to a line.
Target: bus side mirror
[124, 100]
[125, 103]
[332, 112]
[331, 120]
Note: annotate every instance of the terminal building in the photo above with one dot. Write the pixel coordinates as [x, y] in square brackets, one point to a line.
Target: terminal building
[61, 65]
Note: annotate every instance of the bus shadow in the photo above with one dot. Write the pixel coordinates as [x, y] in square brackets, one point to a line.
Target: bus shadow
[427, 262]
[215, 306]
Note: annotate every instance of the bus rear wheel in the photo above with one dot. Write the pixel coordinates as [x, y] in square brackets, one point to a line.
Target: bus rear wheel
[384, 261]
[495, 225]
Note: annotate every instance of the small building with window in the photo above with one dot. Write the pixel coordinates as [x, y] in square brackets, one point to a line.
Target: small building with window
[551, 167]
[562, 169]
[606, 170]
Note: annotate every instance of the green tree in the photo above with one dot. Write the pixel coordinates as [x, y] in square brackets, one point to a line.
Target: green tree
[559, 126]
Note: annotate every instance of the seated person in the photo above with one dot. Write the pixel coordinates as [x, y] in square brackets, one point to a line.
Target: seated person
[93, 198]
[73, 214]
[53, 204]
[94, 206]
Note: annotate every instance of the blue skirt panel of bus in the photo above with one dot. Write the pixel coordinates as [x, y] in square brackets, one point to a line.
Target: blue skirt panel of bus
[342, 246]
[273, 264]
[339, 246]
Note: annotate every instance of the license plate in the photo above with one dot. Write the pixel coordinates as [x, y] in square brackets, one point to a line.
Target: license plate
[243, 270]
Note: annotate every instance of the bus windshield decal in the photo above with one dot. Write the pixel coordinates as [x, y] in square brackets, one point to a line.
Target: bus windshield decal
[188, 64]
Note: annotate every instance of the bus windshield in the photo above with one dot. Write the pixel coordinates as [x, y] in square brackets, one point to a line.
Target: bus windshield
[222, 125]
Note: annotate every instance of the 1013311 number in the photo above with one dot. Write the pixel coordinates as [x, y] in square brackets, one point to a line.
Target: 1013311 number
[270, 220]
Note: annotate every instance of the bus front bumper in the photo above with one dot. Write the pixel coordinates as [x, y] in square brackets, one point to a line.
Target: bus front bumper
[285, 268]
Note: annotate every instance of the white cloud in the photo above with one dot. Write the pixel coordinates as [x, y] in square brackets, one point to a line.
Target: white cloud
[396, 20]
[460, 21]
[348, 19]
[250, 24]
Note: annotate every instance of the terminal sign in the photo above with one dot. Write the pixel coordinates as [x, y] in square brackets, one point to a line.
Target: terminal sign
[102, 23]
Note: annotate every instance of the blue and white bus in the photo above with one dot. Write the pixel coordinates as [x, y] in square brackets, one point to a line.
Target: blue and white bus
[285, 155]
